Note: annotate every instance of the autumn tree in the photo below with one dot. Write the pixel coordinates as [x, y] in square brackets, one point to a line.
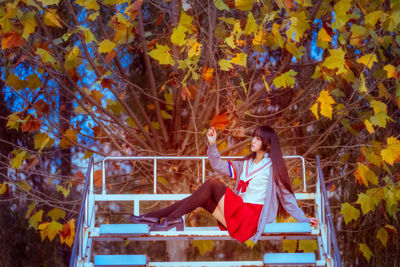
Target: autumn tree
[121, 77]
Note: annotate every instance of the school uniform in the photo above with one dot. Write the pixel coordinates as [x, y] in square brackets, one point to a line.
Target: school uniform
[254, 200]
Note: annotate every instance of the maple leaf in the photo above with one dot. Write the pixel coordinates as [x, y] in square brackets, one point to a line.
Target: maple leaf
[11, 40]
[161, 53]
[20, 155]
[56, 214]
[244, 5]
[49, 230]
[195, 49]
[207, 74]
[299, 23]
[52, 19]
[106, 46]
[67, 234]
[42, 140]
[335, 60]
[391, 71]
[365, 251]
[308, 245]
[35, 219]
[341, 17]
[372, 18]
[88, 4]
[285, 80]
[367, 203]
[289, 245]
[391, 153]
[69, 138]
[369, 126]
[49, 2]
[349, 212]
[30, 209]
[45, 56]
[97, 178]
[204, 246]
[133, 9]
[220, 121]
[382, 235]
[30, 124]
[225, 64]
[220, 5]
[240, 59]
[64, 191]
[368, 60]
[251, 25]
[364, 174]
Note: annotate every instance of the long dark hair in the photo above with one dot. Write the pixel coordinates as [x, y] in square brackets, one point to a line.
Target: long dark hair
[270, 144]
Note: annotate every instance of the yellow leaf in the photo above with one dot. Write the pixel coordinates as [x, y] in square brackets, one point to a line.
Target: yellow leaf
[240, 59]
[106, 46]
[369, 126]
[365, 251]
[70, 138]
[94, 16]
[244, 5]
[161, 53]
[15, 82]
[363, 88]
[165, 115]
[88, 154]
[314, 110]
[250, 243]
[222, 146]
[33, 81]
[326, 102]
[20, 155]
[13, 121]
[30, 24]
[45, 55]
[30, 209]
[289, 245]
[371, 18]
[71, 59]
[285, 80]
[3, 188]
[380, 119]
[186, 21]
[294, 50]
[64, 191]
[324, 36]
[260, 38]
[204, 246]
[308, 245]
[52, 19]
[266, 84]
[35, 219]
[391, 153]
[49, 2]
[251, 25]
[366, 175]
[162, 180]
[225, 64]
[89, 36]
[382, 235]
[56, 214]
[378, 106]
[349, 212]
[367, 203]
[341, 17]
[220, 4]
[391, 71]
[49, 230]
[195, 49]
[299, 23]
[368, 60]
[178, 35]
[88, 4]
[42, 140]
[336, 60]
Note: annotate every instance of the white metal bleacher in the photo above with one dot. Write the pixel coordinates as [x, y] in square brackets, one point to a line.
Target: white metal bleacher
[87, 231]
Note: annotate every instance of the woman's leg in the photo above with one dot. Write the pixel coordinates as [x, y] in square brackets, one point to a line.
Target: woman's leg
[212, 189]
[218, 213]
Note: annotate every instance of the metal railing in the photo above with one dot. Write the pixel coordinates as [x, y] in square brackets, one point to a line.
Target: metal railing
[328, 234]
[78, 248]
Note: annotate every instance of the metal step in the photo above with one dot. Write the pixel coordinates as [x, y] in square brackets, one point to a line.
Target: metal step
[289, 258]
[124, 229]
[140, 232]
[120, 260]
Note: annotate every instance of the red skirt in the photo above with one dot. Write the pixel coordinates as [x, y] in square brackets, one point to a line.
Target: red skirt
[241, 218]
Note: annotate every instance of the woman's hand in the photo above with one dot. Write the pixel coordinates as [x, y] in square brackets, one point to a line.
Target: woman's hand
[211, 136]
[314, 222]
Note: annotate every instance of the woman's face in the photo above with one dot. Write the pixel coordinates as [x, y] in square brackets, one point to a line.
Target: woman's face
[256, 144]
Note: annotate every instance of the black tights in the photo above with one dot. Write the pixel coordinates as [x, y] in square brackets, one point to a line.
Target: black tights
[206, 196]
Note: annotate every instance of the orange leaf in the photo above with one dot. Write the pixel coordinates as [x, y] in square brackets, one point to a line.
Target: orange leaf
[289, 3]
[11, 40]
[67, 233]
[208, 74]
[31, 124]
[133, 9]
[78, 178]
[41, 107]
[220, 121]
[97, 178]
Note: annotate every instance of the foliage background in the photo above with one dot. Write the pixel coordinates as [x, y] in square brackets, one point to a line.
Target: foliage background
[120, 77]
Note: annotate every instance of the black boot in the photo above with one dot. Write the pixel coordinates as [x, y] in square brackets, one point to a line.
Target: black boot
[168, 224]
[142, 219]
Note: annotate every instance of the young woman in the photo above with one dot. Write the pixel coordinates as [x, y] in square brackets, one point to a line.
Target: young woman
[262, 183]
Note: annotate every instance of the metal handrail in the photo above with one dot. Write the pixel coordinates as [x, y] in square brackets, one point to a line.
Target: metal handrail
[80, 219]
[331, 228]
